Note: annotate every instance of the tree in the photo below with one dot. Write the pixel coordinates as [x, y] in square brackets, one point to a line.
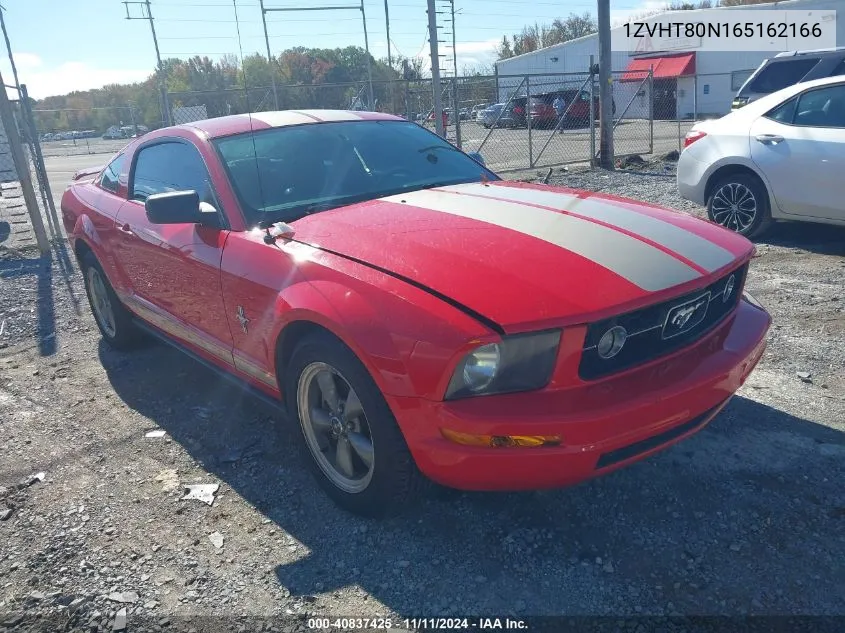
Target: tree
[574, 26]
[537, 36]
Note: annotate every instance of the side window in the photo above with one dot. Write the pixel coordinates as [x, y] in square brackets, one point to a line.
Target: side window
[785, 112]
[170, 166]
[779, 75]
[110, 175]
[824, 107]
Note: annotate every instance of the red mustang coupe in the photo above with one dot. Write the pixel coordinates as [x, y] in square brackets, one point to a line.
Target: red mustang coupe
[414, 312]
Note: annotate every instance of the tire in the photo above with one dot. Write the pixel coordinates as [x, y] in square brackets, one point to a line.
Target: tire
[739, 202]
[113, 319]
[391, 480]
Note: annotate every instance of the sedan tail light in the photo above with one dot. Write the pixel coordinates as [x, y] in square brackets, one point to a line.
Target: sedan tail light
[692, 136]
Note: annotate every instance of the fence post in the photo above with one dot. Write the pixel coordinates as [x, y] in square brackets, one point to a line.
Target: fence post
[457, 112]
[695, 98]
[41, 168]
[651, 109]
[528, 121]
[592, 113]
[7, 116]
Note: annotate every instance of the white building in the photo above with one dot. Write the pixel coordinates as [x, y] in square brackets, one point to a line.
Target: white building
[688, 81]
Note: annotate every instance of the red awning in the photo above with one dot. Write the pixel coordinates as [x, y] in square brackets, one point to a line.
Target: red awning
[665, 67]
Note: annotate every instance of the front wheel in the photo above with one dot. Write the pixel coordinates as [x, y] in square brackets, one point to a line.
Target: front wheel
[351, 439]
[739, 202]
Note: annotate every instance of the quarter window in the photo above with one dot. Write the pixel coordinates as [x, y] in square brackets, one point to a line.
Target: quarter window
[170, 166]
[109, 177]
[779, 75]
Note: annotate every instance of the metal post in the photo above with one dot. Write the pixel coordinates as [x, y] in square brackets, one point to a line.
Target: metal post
[435, 69]
[7, 116]
[387, 29]
[367, 49]
[161, 78]
[455, 66]
[269, 55]
[9, 46]
[43, 180]
[651, 109]
[605, 88]
[695, 98]
[528, 120]
[592, 112]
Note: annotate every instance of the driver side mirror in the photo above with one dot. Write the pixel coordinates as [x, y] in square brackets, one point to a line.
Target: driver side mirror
[477, 157]
[180, 207]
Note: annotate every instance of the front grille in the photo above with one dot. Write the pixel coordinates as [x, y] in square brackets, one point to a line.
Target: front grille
[651, 331]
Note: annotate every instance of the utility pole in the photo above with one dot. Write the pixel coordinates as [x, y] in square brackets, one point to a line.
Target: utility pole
[269, 55]
[387, 28]
[367, 53]
[147, 14]
[605, 87]
[435, 69]
[9, 45]
[455, 98]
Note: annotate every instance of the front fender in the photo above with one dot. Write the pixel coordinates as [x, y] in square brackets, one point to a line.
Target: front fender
[350, 317]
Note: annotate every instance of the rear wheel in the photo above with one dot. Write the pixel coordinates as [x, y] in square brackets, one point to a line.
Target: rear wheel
[113, 319]
[739, 202]
[351, 439]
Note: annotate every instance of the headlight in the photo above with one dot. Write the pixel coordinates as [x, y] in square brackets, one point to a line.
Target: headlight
[517, 363]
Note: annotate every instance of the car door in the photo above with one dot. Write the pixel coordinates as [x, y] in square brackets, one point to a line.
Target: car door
[174, 269]
[800, 148]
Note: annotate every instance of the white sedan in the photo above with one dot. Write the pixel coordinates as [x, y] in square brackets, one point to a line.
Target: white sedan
[781, 157]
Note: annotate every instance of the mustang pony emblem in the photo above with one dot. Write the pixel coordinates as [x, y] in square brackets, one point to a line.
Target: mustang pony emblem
[242, 319]
[685, 316]
[679, 320]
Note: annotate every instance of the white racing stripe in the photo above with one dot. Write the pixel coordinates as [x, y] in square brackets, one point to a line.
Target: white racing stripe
[640, 263]
[280, 119]
[695, 248]
[331, 115]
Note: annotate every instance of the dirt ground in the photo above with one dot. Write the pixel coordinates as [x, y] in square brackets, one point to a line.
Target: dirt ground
[747, 517]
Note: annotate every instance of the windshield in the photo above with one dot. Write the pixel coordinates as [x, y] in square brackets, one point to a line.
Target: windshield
[284, 173]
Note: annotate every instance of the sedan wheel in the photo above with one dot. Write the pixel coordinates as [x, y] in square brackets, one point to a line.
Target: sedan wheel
[351, 439]
[740, 203]
[335, 427]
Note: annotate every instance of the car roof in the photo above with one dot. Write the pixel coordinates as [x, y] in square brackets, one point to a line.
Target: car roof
[240, 123]
[764, 104]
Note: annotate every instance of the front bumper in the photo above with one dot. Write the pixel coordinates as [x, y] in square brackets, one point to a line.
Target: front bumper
[604, 425]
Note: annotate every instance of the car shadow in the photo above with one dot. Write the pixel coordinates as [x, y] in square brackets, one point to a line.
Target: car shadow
[822, 239]
[700, 510]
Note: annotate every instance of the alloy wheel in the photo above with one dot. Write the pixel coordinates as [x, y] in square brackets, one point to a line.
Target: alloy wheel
[101, 302]
[335, 427]
[734, 206]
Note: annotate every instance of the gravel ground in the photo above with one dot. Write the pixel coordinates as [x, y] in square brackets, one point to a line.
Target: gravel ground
[746, 517]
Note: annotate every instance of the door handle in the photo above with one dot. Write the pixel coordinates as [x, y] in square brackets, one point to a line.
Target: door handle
[769, 139]
[125, 228]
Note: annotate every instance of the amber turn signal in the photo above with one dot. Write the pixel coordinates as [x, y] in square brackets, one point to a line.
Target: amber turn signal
[501, 441]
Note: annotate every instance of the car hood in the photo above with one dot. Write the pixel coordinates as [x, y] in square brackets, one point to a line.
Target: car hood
[530, 256]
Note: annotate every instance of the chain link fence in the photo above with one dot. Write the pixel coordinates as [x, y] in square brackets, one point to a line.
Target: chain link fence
[27, 212]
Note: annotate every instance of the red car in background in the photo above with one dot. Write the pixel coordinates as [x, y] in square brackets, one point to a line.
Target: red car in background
[576, 104]
[417, 315]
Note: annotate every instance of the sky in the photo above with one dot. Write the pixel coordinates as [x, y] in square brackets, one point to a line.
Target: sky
[65, 45]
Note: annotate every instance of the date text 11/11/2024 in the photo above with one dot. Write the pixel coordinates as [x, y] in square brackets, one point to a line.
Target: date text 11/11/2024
[417, 624]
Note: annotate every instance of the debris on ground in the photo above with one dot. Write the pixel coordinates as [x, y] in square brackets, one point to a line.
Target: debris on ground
[200, 492]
